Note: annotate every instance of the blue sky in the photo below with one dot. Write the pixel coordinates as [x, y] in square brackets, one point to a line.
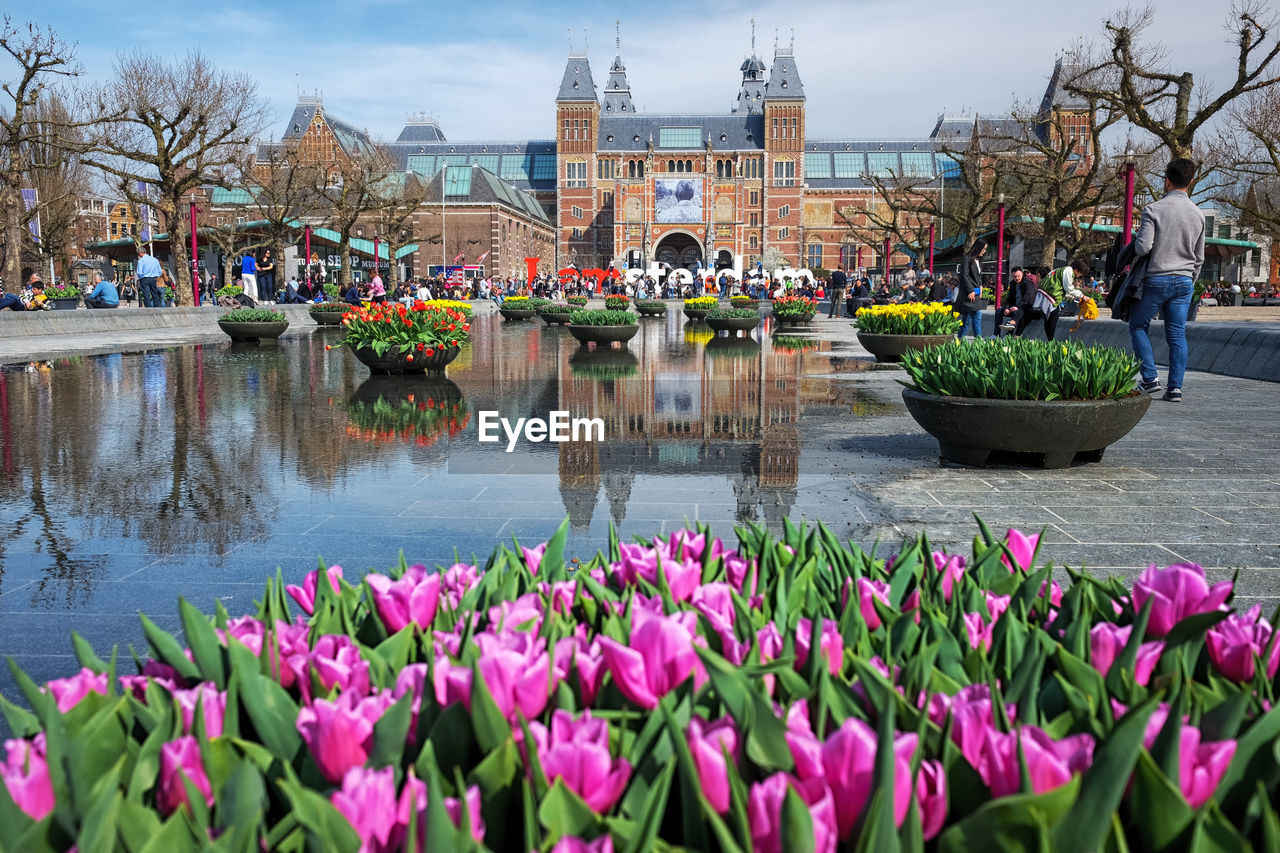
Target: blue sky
[490, 70]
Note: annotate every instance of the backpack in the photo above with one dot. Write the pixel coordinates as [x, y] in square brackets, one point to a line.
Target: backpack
[246, 301]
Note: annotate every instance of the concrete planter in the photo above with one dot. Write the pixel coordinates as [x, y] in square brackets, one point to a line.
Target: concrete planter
[516, 313]
[1057, 433]
[329, 318]
[254, 331]
[888, 348]
[68, 304]
[697, 313]
[652, 310]
[557, 318]
[394, 361]
[603, 335]
[733, 325]
[795, 320]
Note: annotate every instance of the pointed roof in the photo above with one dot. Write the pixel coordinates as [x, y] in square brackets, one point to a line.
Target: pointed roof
[577, 83]
[421, 130]
[1056, 93]
[784, 80]
[617, 92]
[751, 95]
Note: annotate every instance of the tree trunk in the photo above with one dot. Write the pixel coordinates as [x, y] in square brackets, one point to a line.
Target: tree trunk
[13, 238]
[1048, 247]
[180, 251]
[344, 272]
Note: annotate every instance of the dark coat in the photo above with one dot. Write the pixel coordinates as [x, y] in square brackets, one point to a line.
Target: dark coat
[838, 280]
[970, 282]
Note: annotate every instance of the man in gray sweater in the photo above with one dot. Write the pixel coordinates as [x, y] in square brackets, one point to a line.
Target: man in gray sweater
[1172, 237]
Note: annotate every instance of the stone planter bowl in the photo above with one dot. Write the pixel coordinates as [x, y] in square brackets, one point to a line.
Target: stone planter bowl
[649, 311]
[697, 313]
[254, 331]
[794, 320]
[733, 325]
[329, 318]
[603, 334]
[64, 304]
[516, 313]
[887, 348]
[560, 318]
[393, 361]
[1058, 432]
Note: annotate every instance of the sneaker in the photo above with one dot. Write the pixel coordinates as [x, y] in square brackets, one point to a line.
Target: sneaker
[1152, 387]
[1173, 395]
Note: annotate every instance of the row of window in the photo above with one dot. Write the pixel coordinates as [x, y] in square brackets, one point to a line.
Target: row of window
[782, 123]
[509, 167]
[880, 164]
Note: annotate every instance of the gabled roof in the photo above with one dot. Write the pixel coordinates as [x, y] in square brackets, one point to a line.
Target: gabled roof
[352, 140]
[728, 132]
[1057, 95]
[577, 83]
[485, 187]
[1003, 135]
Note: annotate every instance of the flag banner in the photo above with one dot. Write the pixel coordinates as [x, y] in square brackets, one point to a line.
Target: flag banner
[460, 257]
[482, 257]
[144, 214]
[29, 201]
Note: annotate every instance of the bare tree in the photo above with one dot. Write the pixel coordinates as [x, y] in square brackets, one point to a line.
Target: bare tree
[1129, 76]
[399, 195]
[1249, 147]
[349, 193]
[60, 178]
[42, 60]
[174, 127]
[282, 186]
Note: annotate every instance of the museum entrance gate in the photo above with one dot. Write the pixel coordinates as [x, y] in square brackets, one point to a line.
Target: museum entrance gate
[679, 250]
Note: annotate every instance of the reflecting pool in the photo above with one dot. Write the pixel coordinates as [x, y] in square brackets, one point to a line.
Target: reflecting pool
[130, 479]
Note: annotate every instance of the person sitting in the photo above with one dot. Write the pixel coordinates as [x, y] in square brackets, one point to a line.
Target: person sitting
[103, 295]
[1022, 294]
[291, 294]
[352, 296]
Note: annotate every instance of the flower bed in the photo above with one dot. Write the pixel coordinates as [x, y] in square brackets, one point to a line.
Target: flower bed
[462, 307]
[1022, 369]
[617, 303]
[62, 291]
[396, 327]
[794, 694]
[794, 308]
[576, 300]
[913, 318]
[743, 302]
[602, 317]
[701, 303]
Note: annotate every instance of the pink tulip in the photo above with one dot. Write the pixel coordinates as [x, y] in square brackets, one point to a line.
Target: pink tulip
[533, 556]
[305, 595]
[931, 795]
[659, 657]
[832, 644]
[68, 692]
[456, 581]
[177, 759]
[806, 749]
[736, 569]
[586, 660]
[1107, 641]
[996, 605]
[411, 600]
[1179, 591]
[516, 668]
[524, 614]
[367, 800]
[561, 595]
[340, 733]
[452, 682]
[337, 662]
[1236, 641]
[414, 798]
[161, 673]
[577, 752]
[868, 591]
[1201, 766]
[25, 774]
[687, 545]
[951, 567]
[707, 742]
[289, 644]
[412, 679]
[573, 844]
[715, 602]
[1050, 763]
[213, 704]
[1023, 548]
[974, 716]
[764, 813]
[849, 762]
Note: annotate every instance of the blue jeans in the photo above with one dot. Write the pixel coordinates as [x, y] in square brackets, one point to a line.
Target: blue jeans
[971, 323]
[1173, 294]
[148, 293]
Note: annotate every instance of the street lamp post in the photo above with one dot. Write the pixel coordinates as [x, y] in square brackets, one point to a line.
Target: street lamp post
[999, 250]
[375, 255]
[306, 235]
[1129, 163]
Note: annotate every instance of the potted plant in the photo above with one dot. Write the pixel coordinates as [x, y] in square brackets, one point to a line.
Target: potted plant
[328, 313]
[332, 292]
[63, 297]
[794, 310]
[576, 301]
[392, 337]
[889, 331]
[603, 326]
[1058, 400]
[253, 324]
[733, 320]
[555, 313]
[1197, 294]
[651, 307]
[617, 302]
[516, 308]
[698, 307]
[232, 290]
[390, 409]
[741, 301]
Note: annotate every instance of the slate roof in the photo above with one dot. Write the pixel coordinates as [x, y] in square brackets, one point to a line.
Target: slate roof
[632, 133]
[953, 131]
[751, 95]
[1002, 135]
[488, 188]
[784, 79]
[426, 130]
[577, 83]
[1056, 94]
[617, 92]
[352, 140]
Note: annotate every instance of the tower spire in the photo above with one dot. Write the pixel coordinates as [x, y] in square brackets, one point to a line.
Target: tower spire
[618, 39]
[753, 36]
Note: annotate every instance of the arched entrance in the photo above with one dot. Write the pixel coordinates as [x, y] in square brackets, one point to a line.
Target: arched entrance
[724, 259]
[679, 250]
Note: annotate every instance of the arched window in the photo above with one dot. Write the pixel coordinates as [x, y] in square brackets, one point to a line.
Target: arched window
[671, 165]
[631, 168]
[755, 241]
[688, 165]
[639, 170]
[719, 168]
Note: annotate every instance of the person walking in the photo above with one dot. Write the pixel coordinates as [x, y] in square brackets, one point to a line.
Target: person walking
[249, 276]
[267, 278]
[969, 294]
[377, 291]
[148, 274]
[839, 281]
[1171, 238]
[103, 294]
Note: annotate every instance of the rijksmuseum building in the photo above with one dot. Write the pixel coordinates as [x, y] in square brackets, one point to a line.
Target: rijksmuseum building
[618, 186]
